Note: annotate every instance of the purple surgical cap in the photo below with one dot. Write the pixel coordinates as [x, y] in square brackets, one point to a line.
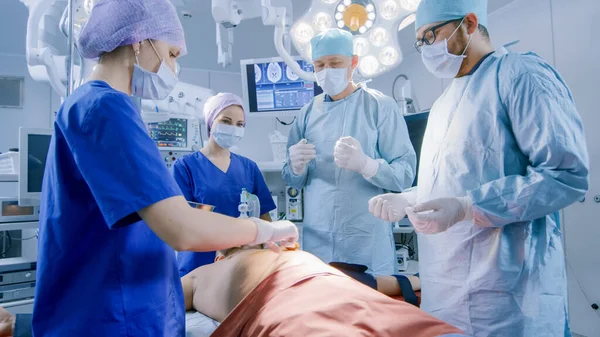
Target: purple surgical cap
[116, 23]
[215, 104]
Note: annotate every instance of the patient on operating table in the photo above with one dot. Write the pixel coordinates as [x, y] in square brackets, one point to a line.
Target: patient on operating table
[256, 292]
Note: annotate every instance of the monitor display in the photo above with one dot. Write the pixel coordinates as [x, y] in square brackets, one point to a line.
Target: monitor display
[272, 86]
[416, 124]
[172, 133]
[37, 151]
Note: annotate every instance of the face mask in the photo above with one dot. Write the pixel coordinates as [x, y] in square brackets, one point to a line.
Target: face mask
[439, 61]
[333, 80]
[150, 85]
[227, 136]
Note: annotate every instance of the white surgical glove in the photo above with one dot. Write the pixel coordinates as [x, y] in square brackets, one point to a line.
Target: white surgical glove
[348, 154]
[300, 155]
[391, 206]
[278, 231]
[438, 215]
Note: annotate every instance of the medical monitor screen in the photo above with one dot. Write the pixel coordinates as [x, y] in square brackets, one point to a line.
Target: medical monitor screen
[37, 151]
[272, 86]
[172, 133]
[416, 124]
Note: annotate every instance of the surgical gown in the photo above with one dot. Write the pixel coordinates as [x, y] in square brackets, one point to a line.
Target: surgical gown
[509, 136]
[337, 225]
[203, 182]
[101, 271]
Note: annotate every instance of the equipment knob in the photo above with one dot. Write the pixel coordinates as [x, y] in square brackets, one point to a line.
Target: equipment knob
[595, 306]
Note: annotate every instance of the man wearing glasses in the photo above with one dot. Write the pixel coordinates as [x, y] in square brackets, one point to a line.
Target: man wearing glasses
[503, 152]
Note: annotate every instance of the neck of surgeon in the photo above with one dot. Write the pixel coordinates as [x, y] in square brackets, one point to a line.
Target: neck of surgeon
[477, 44]
[115, 68]
[347, 92]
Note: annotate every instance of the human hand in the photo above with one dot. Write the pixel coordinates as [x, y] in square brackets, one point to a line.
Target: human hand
[282, 231]
[348, 154]
[300, 155]
[391, 206]
[438, 215]
[7, 323]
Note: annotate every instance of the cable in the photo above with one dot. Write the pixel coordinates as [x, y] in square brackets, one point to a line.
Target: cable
[284, 123]
[394, 85]
[7, 235]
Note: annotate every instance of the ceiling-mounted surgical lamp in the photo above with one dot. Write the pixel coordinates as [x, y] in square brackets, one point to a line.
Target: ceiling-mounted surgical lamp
[373, 23]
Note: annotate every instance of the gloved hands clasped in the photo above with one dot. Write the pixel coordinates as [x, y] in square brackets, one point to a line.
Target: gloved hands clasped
[269, 233]
[300, 155]
[348, 154]
[438, 215]
[391, 206]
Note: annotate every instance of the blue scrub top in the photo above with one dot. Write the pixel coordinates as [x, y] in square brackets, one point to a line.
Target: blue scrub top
[201, 181]
[101, 270]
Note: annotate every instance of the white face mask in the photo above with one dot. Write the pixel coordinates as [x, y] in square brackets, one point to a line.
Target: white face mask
[439, 61]
[150, 85]
[227, 136]
[333, 80]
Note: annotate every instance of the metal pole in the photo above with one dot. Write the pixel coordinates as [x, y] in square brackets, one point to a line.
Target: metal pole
[70, 58]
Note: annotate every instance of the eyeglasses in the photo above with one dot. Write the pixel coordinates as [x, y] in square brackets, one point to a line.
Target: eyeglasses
[429, 35]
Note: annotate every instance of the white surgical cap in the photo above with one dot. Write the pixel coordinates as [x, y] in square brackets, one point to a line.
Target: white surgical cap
[431, 11]
[115, 23]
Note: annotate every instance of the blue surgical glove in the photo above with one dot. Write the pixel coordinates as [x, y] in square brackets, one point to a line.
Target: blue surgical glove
[439, 215]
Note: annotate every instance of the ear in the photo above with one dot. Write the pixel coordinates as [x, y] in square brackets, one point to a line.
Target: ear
[136, 48]
[471, 23]
[354, 62]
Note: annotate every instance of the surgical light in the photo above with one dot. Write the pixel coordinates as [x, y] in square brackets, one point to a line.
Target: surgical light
[373, 23]
[368, 65]
[388, 56]
[322, 21]
[389, 10]
[379, 37]
[303, 32]
[410, 5]
[361, 46]
[407, 21]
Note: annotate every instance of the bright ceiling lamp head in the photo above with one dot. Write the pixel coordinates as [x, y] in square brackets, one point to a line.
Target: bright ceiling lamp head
[410, 5]
[322, 21]
[372, 23]
[361, 46]
[368, 65]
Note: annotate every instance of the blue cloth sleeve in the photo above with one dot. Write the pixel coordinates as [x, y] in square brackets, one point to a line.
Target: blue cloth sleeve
[181, 173]
[296, 134]
[550, 133]
[261, 190]
[119, 161]
[398, 160]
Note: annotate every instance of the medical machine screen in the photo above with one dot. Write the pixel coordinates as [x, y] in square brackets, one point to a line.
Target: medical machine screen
[37, 151]
[416, 124]
[172, 133]
[272, 86]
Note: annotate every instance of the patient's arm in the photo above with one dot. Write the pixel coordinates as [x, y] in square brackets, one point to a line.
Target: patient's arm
[388, 285]
[187, 282]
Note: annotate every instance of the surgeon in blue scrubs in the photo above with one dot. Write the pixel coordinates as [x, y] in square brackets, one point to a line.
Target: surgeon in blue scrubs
[216, 176]
[102, 271]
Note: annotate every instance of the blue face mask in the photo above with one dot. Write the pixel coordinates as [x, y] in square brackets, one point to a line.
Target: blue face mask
[227, 136]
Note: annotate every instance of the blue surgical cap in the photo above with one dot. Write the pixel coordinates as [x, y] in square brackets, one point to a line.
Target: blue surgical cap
[431, 11]
[332, 42]
[115, 23]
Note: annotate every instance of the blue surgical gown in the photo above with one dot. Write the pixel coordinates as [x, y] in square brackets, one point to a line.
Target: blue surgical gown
[101, 270]
[203, 182]
[337, 225]
[509, 136]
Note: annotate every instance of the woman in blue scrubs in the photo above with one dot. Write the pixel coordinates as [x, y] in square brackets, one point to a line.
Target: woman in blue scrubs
[101, 270]
[215, 176]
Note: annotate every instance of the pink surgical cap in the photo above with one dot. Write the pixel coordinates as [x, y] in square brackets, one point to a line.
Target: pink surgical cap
[116, 23]
[215, 104]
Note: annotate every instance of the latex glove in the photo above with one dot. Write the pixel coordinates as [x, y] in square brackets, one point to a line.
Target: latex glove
[278, 231]
[300, 155]
[438, 215]
[391, 206]
[348, 154]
